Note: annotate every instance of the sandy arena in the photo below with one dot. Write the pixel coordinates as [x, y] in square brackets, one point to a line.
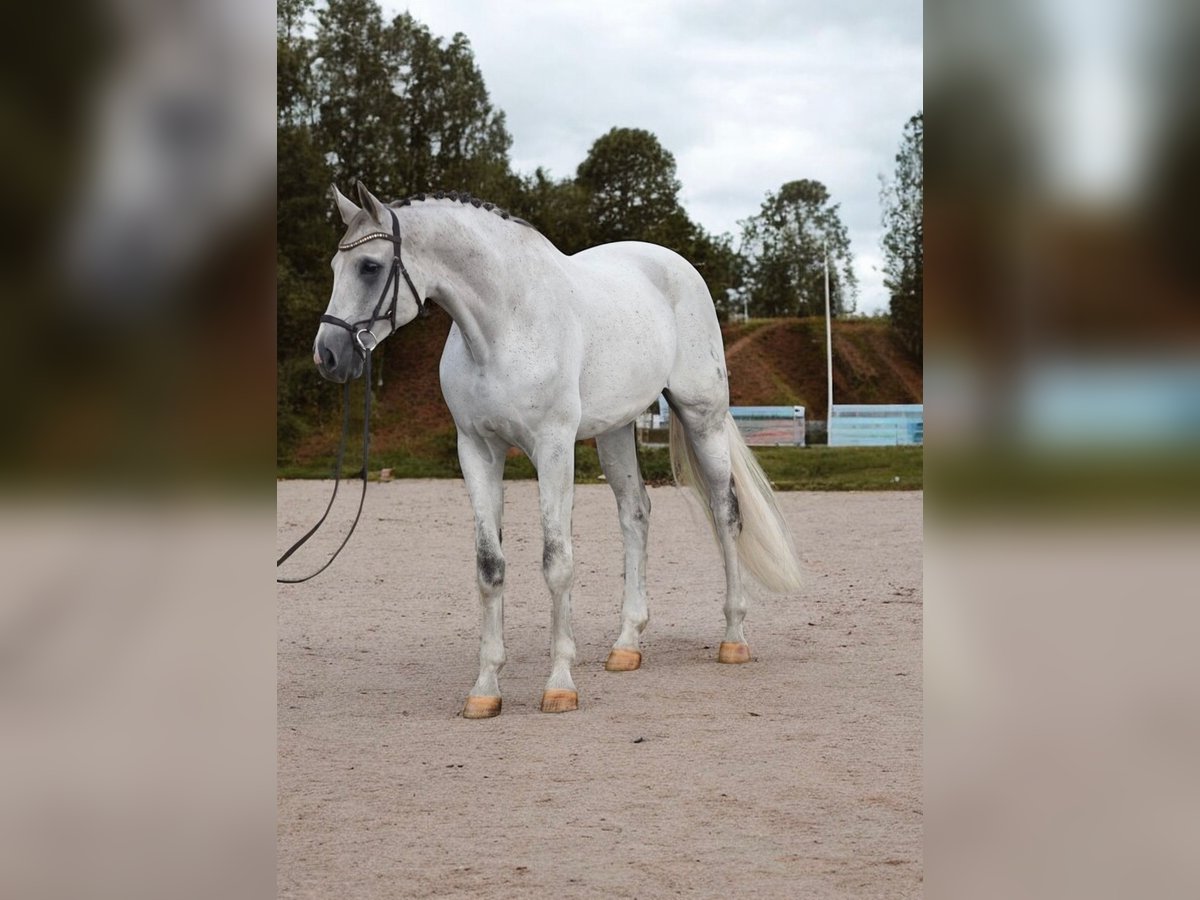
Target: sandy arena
[797, 775]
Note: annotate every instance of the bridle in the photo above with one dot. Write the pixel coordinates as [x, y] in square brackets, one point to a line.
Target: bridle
[364, 326]
[357, 331]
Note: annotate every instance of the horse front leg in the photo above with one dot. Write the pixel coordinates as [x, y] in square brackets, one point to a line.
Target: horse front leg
[483, 471]
[555, 460]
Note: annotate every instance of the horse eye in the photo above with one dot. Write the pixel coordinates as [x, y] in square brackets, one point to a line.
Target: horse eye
[367, 267]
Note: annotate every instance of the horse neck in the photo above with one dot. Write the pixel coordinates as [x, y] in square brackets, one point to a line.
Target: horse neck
[469, 255]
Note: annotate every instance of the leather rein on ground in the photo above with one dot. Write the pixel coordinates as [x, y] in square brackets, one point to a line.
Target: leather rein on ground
[364, 342]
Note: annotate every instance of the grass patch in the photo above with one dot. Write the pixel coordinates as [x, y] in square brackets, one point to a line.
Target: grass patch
[402, 466]
[843, 468]
[317, 469]
[789, 468]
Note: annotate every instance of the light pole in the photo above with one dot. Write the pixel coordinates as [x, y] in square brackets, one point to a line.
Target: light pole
[828, 348]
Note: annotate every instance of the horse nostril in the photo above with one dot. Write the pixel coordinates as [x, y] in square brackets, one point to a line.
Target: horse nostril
[330, 359]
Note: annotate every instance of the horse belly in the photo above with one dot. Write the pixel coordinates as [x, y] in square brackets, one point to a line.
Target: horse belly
[627, 361]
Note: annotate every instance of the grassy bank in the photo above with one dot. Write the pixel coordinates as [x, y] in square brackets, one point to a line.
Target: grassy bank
[789, 468]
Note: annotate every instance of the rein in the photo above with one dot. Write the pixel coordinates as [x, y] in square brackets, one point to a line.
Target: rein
[358, 330]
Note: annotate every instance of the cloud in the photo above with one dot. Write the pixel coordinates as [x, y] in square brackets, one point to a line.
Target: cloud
[747, 95]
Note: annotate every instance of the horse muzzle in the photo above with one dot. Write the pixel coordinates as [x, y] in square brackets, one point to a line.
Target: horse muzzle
[336, 357]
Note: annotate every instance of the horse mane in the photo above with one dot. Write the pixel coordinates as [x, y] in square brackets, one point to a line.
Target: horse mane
[464, 198]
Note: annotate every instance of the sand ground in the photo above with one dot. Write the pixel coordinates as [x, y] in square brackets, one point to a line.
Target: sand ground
[797, 775]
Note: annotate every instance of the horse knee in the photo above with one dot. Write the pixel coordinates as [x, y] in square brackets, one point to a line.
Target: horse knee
[558, 565]
[489, 565]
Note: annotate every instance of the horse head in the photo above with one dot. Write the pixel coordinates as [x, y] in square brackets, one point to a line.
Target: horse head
[373, 291]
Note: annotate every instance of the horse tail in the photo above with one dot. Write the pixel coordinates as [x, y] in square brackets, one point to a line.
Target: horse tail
[764, 545]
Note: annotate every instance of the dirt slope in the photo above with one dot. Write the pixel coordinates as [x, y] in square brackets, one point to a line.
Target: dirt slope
[771, 362]
[782, 362]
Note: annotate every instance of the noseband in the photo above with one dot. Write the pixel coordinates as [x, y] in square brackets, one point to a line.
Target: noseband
[364, 326]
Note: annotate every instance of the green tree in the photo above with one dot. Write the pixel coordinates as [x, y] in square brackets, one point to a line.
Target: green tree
[353, 82]
[443, 128]
[302, 229]
[558, 209]
[629, 184]
[784, 247]
[719, 264]
[302, 226]
[303, 232]
[633, 192]
[903, 238]
[293, 63]
[402, 110]
[361, 97]
[302, 173]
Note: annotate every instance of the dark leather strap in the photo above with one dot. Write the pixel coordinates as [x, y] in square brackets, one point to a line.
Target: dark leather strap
[393, 284]
[355, 329]
[337, 477]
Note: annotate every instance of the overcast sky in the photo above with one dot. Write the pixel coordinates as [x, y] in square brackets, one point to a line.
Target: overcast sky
[747, 95]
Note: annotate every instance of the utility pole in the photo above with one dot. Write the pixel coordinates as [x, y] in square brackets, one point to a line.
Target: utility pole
[828, 346]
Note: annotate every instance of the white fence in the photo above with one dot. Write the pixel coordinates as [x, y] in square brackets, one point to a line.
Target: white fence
[770, 426]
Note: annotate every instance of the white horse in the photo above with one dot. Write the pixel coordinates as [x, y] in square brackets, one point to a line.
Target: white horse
[546, 350]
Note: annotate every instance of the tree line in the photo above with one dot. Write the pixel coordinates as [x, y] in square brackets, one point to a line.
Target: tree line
[388, 102]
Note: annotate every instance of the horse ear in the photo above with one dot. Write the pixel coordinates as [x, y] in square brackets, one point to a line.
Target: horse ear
[345, 205]
[371, 204]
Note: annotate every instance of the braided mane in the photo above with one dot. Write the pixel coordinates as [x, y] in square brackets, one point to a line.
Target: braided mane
[460, 197]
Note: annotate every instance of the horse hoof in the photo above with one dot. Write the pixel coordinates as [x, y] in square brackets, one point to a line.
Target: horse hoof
[620, 660]
[481, 707]
[733, 653]
[558, 700]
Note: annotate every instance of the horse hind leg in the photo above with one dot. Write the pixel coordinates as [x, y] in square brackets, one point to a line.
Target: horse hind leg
[706, 453]
[618, 459]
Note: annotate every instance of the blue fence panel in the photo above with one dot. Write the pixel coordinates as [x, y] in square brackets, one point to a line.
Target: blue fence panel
[877, 425]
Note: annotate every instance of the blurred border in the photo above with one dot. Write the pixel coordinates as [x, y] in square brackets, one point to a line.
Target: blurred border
[137, 638]
[1063, 379]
